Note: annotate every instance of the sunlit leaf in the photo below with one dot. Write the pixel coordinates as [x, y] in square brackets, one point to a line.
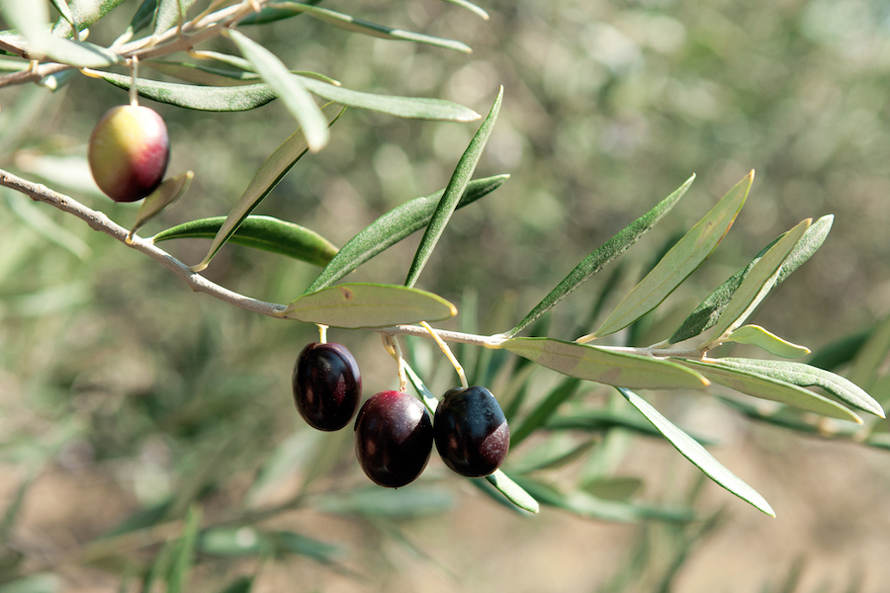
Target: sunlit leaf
[760, 385]
[755, 335]
[266, 178]
[170, 13]
[697, 454]
[586, 505]
[168, 192]
[710, 310]
[607, 252]
[369, 305]
[456, 188]
[394, 226]
[197, 97]
[260, 232]
[64, 10]
[513, 491]
[471, 7]
[354, 25]
[804, 375]
[754, 288]
[203, 75]
[683, 259]
[289, 89]
[608, 366]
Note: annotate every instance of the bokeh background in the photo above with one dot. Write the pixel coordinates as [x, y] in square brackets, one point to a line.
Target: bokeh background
[121, 390]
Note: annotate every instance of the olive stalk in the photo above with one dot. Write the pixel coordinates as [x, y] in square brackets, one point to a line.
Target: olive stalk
[100, 222]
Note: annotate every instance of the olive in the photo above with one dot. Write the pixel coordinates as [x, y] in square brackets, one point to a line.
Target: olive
[128, 152]
[327, 385]
[471, 431]
[393, 438]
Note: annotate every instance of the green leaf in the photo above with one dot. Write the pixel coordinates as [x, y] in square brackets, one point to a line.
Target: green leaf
[804, 375]
[683, 259]
[602, 365]
[86, 13]
[456, 188]
[260, 232]
[355, 25]
[182, 562]
[697, 454]
[544, 410]
[168, 192]
[598, 260]
[586, 505]
[760, 385]
[407, 107]
[142, 18]
[266, 178]
[289, 89]
[754, 288]
[203, 75]
[369, 305]
[196, 97]
[471, 7]
[755, 335]
[170, 13]
[394, 226]
[710, 310]
[513, 491]
[64, 10]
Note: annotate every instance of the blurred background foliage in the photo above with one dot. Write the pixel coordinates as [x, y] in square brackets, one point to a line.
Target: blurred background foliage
[122, 391]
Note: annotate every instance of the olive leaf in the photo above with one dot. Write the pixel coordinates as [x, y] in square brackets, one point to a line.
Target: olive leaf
[170, 13]
[769, 386]
[598, 260]
[477, 10]
[168, 192]
[762, 277]
[260, 232]
[266, 178]
[394, 226]
[456, 188]
[603, 365]
[697, 454]
[359, 305]
[682, 259]
[709, 311]
[755, 335]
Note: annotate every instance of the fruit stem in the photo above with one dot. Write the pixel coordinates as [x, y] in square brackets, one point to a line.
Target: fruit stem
[448, 354]
[322, 333]
[134, 75]
[391, 344]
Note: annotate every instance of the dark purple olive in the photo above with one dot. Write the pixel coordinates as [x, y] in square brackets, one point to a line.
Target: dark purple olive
[393, 438]
[471, 431]
[327, 385]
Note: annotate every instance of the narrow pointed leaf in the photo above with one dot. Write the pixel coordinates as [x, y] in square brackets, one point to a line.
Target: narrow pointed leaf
[394, 226]
[456, 188]
[710, 310]
[355, 25]
[142, 18]
[607, 252]
[804, 375]
[197, 97]
[755, 335]
[203, 75]
[756, 285]
[760, 385]
[471, 7]
[289, 89]
[170, 13]
[697, 454]
[64, 10]
[408, 107]
[683, 259]
[369, 305]
[606, 365]
[266, 178]
[513, 491]
[260, 232]
[168, 192]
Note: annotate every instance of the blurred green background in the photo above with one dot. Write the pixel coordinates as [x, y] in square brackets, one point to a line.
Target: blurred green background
[120, 389]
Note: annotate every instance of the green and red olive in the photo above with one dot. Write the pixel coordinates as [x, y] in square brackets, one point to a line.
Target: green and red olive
[128, 152]
[471, 432]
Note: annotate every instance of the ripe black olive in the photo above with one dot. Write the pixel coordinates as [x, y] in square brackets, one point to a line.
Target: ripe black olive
[327, 385]
[393, 438]
[471, 431]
